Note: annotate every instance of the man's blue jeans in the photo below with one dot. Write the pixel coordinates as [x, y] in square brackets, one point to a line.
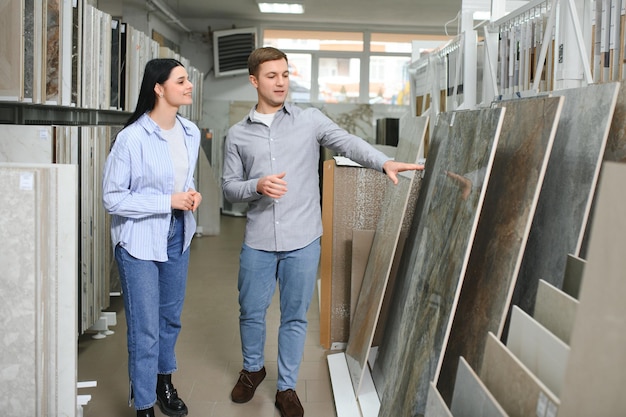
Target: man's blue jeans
[153, 300]
[296, 274]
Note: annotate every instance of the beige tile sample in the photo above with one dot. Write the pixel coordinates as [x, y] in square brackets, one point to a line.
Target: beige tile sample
[555, 310]
[543, 353]
[572, 278]
[515, 387]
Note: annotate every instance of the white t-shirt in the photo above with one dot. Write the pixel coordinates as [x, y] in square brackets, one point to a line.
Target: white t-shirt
[175, 137]
[267, 119]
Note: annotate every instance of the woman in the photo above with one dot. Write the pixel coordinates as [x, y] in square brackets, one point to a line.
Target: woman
[148, 188]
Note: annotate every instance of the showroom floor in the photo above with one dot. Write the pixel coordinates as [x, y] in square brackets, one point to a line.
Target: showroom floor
[208, 349]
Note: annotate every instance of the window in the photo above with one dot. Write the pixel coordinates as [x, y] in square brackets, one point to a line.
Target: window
[338, 61]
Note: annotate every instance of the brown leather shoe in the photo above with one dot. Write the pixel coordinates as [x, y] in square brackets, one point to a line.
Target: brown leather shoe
[246, 385]
[288, 404]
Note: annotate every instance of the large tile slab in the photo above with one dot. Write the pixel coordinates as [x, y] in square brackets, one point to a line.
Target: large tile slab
[461, 152]
[565, 201]
[496, 253]
[615, 150]
[595, 378]
[544, 354]
[38, 351]
[363, 324]
[555, 310]
[471, 397]
[514, 386]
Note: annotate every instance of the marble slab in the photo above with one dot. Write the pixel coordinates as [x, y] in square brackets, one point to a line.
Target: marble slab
[515, 387]
[555, 310]
[52, 50]
[462, 145]
[26, 143]
[29, 46]
[573, 275]
[544, 354]
[11, 61]
[513, 188]
[595, 378]
[66, 51]
[369, 304]
[38, 350]
[435, 405]
[568, 187]
[471, 397]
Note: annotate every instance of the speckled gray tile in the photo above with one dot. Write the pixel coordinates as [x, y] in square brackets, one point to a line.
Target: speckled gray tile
[363, 324]
[594, 379]
[514, 185]
[568, 187]
[459, 161]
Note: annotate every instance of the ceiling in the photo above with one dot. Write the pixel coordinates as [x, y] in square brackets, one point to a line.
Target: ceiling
[422, 16]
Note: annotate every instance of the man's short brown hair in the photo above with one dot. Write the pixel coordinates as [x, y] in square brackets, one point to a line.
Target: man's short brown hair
[261, 55]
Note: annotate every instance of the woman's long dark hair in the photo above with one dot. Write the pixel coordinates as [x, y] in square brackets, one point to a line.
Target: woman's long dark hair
[157, 72]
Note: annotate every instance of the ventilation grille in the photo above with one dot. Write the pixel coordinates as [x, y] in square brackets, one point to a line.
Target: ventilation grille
[232, 48]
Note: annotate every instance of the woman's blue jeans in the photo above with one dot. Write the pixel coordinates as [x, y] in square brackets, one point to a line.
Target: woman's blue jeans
[153, 300]
[296, 274]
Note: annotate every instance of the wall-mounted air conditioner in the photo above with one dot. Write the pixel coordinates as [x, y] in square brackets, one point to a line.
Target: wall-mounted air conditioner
[231, 49]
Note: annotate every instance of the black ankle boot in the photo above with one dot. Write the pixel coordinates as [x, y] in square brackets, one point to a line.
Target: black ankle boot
[167, 397]
[148, 412]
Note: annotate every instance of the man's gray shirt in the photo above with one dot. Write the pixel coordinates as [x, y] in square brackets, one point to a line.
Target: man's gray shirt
[291, 145]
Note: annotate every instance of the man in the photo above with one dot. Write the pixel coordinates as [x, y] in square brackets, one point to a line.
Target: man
[271, 161]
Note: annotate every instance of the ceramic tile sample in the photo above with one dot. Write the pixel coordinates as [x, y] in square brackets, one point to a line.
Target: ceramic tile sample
[594, 379]
[471, 398]
[459, 161]
[568, 187]
[38, 350]
[573, 275]
[363, 324]
[435, 405]
[514, 386]
[555, 310]
[524, 147]
[26, 143]
[543, 353]
[12, 21]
